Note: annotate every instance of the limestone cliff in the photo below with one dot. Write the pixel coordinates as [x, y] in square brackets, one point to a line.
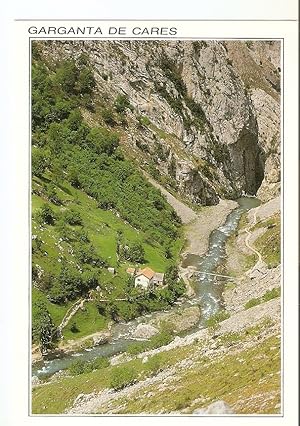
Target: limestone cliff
[204, 116]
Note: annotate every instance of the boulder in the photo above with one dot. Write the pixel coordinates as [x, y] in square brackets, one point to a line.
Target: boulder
[144, 331]
[217, 407]
[100, 339]
[180, 320]
[35, 381]
[145, 359]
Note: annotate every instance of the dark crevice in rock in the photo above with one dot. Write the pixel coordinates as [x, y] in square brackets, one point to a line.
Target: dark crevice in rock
[248, 163]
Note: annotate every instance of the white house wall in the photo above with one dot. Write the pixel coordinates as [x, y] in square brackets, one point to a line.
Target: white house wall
[142, 281]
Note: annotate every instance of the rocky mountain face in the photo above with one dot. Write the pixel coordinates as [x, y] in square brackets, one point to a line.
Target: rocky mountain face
[204, 117]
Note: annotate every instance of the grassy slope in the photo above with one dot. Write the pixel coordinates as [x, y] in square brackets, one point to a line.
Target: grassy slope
[269, 242]
[102, 227]
[232, 377]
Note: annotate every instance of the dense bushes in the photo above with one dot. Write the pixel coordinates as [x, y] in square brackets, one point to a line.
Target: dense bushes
[91, 157]
[122, 377]
[161, 339]
[80, 366]
[43, 330]
[68, 151]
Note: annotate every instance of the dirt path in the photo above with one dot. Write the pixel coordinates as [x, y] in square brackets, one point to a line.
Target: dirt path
[70, 313]
[185, 213]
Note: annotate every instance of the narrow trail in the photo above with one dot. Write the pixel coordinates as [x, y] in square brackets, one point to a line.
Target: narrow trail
[249, 234]
[75, 307]
[185, 213]
[70, 313]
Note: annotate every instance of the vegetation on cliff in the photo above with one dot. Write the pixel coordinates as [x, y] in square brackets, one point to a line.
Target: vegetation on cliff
[92, 208]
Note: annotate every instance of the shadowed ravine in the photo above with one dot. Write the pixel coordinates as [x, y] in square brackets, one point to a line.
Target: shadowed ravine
[208, 294]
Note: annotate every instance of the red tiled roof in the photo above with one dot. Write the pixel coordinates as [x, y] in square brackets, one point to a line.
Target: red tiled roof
[147, 272]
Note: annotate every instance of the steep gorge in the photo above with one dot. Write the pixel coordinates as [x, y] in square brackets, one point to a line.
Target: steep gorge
[204, 115]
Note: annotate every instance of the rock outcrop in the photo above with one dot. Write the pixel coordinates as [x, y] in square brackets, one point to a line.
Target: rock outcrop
[204, 116]
[144, 331]
[180, 320]
[217, 407]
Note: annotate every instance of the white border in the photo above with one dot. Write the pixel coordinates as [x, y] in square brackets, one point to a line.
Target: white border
[16, 313]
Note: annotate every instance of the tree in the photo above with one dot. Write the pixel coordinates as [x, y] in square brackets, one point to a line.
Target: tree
[102, 140]
[136, 253]
[46, 215]
[74, 120]
[86, 81]
[67, 75]
[122, 377]
[72, 217]
[39, 161]
[86, 253]
[57, 135]
[43, 329]
[122, 103]
[171, 275]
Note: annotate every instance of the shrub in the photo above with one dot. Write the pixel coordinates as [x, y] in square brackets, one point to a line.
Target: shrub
[122, 103]
[46, 215]
[271, 294]
[268, 295]
[74, 328]
[137, 348]
[80, 366]
[108, 117]
[155, 364]
[72, 217]
[122, 377]
[99, 363]
[77, 367]
[161, 339]
[215, 319]
[144, 120]
[252, 302]
[40, 161]
[52, 195]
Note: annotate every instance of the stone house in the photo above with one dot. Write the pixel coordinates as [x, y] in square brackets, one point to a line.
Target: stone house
[146, 278]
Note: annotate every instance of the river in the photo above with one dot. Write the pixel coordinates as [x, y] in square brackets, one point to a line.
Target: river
[208, 294]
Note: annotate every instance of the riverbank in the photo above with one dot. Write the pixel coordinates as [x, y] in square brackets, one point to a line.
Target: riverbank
[197, 232]
[228, 355]
[238, 359]
[72, 346]
[255, 276]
